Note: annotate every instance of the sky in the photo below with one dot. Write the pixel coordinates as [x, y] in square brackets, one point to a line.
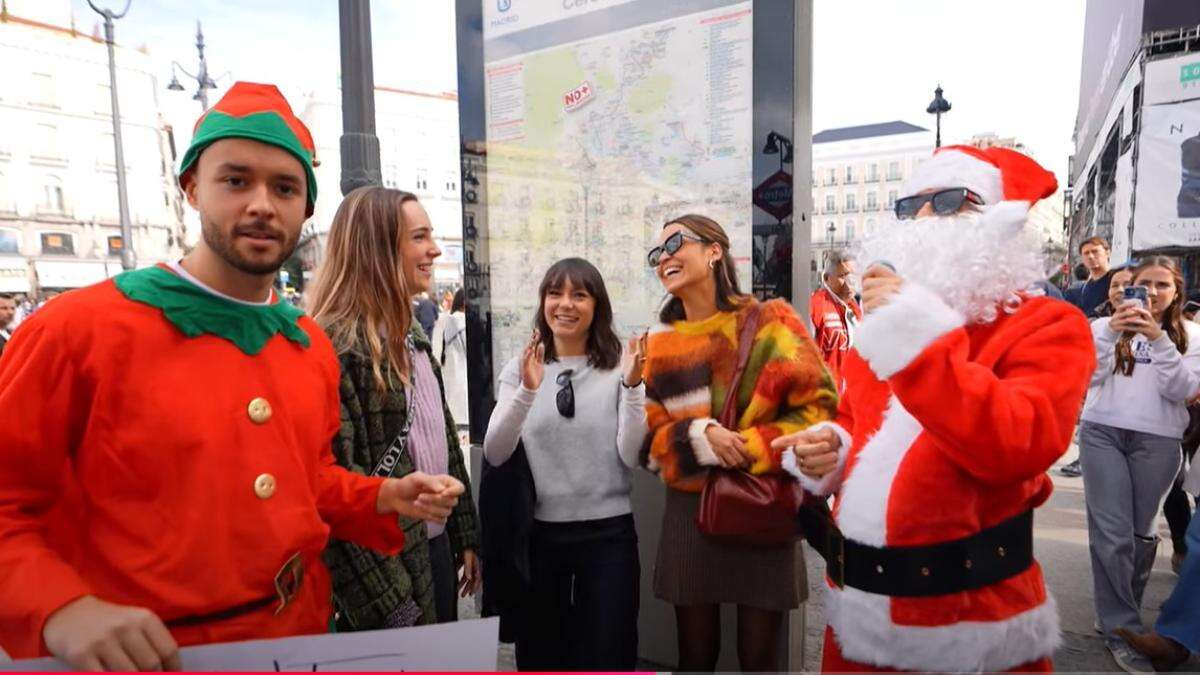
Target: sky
[1008, 67]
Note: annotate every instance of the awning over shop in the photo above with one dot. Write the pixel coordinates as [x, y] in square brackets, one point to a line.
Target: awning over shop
[14, 275]
[73, 274]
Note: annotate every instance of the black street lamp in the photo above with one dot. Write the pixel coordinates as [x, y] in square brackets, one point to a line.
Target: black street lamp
[774, 140]
[936, 108]
[359, 144]
[831, 230]
[201, 78]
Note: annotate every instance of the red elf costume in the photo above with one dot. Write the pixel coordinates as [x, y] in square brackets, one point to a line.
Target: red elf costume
[957, 400]
[167, 448]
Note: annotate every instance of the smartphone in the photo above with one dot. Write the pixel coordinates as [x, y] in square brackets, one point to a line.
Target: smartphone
[1137, 294]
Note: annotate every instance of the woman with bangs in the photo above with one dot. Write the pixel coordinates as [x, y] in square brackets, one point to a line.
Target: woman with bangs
[579, 414]
[1147, 368]
[395, 420]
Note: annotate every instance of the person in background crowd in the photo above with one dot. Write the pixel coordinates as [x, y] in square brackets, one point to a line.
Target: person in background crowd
[582, 420]
[833, 311]
[962, 391]
[447, 303]
[1176, 634]
[169, 480]
[8, 308]
[24, 307]
[1091, 294]
[1147, 369]
[395, 419]
[426, 312]
[450, 350]
[1090, 297]
[690, 359]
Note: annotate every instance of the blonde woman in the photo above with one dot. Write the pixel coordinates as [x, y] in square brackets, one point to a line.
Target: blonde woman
[395, 420]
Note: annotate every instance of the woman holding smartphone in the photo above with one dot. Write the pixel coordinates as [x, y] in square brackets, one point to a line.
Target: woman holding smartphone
[581, 416]
[1147, 368]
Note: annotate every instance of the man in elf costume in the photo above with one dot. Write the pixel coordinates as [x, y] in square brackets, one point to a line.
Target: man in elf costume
[962, 390]
[171, 481]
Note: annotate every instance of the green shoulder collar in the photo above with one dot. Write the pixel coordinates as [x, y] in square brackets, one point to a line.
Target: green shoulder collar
[195, 311]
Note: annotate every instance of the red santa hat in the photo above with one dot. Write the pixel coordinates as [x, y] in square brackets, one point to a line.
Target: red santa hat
[995, 174]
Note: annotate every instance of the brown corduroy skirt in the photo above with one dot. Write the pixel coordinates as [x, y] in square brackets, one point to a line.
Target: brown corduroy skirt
[694, 570]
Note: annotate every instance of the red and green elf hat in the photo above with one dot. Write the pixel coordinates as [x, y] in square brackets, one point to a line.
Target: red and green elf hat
[260, 113]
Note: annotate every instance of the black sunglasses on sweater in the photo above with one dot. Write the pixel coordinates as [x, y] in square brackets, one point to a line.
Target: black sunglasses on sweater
[565, 398]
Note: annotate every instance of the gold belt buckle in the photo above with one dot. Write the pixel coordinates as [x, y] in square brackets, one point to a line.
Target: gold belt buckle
[289, 580]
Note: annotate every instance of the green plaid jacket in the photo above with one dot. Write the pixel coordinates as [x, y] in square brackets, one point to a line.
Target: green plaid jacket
[369, 587]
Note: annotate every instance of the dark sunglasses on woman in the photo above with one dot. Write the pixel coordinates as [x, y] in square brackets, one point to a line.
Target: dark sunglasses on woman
[565, 398]
[670, 247]
[945, 202]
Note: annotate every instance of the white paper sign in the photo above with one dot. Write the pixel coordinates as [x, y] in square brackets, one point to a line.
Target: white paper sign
[458, 646]
[1167, 204]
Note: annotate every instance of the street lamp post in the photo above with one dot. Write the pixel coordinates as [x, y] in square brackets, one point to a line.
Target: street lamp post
[936, 108]
[128, 258]
[774, 140]
[360, 145]
[203, 81]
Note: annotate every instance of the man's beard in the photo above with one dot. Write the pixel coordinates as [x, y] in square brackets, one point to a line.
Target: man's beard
[978, 263]
[222, 244]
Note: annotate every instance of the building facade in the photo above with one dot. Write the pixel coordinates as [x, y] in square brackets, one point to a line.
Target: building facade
[59, 219]
[418, 149]
[857, 174]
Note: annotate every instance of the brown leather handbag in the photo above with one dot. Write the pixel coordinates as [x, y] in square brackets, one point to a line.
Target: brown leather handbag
[737, 507]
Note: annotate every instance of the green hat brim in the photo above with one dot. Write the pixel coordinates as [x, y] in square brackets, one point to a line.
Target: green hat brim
[264, 127]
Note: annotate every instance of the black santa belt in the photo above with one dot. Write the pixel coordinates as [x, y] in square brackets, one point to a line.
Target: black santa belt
[982, 559]
[288, 582]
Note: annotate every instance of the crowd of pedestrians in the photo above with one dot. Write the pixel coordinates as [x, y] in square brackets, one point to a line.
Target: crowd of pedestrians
[203, 462]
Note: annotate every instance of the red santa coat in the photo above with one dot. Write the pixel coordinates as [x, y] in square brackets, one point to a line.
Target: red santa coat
[130, 466]
[947, 430]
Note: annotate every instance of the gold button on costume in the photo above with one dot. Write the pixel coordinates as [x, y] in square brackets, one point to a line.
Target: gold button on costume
[264, 486]
[259, 410]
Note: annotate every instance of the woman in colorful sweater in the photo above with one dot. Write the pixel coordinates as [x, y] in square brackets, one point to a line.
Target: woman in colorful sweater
[394, 414]
[691, 357]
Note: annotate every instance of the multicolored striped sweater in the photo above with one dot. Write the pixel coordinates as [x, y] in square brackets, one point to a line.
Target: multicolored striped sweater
[689, 367]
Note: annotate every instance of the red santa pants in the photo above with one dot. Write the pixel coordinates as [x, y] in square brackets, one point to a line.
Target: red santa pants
[832, 661]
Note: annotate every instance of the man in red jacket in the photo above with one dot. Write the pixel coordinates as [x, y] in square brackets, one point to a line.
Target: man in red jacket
[962, 390]
[171, 480]
[834, 312]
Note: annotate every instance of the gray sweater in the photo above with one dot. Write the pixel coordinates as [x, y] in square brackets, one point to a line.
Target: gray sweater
[581, 466]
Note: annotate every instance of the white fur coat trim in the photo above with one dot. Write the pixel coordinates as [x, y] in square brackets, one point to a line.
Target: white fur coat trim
[951, 169]
[705, 456]
[862, 623]
[829, 483]
[896, 333]
[862, 509]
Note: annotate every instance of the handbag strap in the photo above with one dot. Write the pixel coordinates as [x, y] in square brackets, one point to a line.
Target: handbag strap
[390, 459]
[745, 343]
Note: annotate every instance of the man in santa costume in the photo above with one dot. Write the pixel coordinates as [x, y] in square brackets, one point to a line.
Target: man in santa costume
[167, 476]
[962, 389]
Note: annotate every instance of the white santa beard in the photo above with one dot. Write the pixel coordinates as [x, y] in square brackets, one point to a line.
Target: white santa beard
[978, 263]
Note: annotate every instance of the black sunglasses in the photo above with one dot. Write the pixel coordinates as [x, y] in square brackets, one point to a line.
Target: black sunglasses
[565, 398]
[671, 246]
[945, 202]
